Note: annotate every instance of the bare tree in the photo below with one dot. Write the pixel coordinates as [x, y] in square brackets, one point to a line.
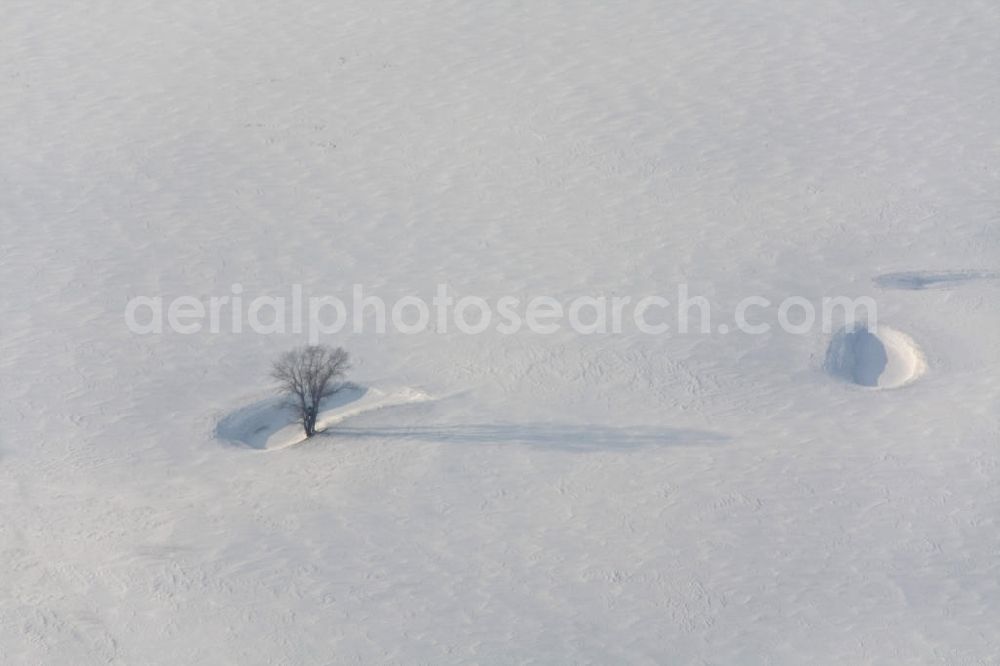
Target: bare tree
[309, 375]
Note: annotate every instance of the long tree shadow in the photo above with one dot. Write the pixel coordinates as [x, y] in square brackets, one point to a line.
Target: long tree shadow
[565, 437]
[920, 280]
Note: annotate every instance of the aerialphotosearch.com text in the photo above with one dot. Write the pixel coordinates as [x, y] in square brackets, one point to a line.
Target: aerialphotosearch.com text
[361, 312]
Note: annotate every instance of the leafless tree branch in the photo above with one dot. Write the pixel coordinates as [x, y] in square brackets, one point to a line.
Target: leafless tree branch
[309, 375]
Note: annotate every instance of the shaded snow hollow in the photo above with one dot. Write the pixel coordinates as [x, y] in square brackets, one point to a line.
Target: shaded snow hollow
[884, 358]
[270, 424]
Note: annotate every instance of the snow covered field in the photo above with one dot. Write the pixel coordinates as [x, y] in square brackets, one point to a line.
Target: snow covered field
[548, 499]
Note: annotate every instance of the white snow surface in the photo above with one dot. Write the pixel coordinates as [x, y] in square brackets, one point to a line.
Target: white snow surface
[672, 499]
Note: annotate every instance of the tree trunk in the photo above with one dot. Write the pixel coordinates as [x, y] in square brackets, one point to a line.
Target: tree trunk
[310, 420]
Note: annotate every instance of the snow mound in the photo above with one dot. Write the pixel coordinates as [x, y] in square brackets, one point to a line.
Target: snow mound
[270, 425]
[883, 359]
